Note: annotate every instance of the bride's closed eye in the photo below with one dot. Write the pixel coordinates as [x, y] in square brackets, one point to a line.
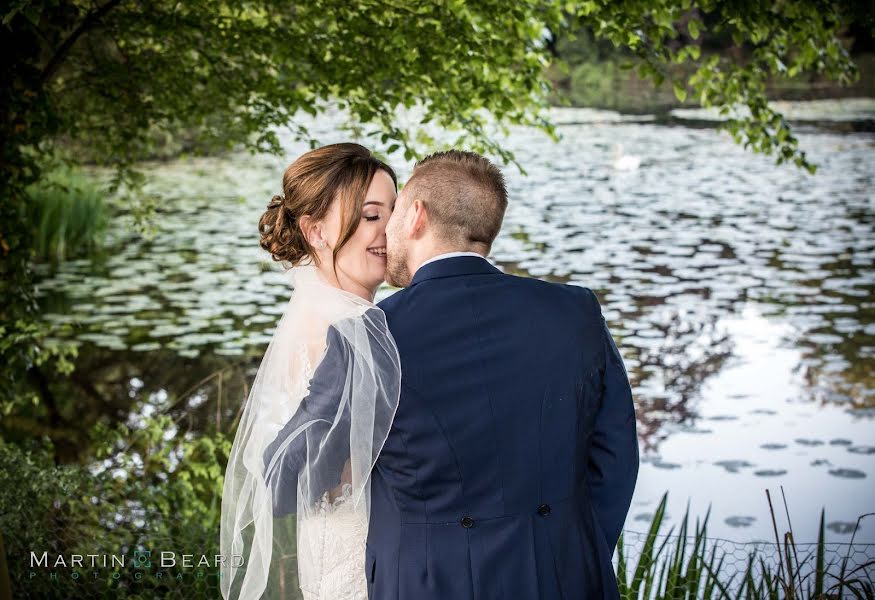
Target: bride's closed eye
[372, 218]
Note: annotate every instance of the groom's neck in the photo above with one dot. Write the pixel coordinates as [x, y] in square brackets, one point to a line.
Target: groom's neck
[421, 255]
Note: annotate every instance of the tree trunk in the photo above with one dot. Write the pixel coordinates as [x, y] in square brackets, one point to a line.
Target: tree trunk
[5, 583]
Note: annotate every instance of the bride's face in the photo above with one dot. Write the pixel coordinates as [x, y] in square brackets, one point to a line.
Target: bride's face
[361, 263]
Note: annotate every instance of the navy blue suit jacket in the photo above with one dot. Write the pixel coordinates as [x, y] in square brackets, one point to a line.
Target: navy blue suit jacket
[513, 456]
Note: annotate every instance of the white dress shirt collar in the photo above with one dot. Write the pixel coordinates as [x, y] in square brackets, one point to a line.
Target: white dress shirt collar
[450, 255]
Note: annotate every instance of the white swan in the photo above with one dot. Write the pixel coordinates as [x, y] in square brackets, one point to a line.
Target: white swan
[627, 162]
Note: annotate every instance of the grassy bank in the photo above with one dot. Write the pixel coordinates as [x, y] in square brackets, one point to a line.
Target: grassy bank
[147, 492]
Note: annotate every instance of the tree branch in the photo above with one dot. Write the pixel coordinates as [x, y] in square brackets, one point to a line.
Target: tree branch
[90, 20]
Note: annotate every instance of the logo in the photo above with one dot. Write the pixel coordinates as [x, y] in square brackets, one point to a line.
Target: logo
[142, 559]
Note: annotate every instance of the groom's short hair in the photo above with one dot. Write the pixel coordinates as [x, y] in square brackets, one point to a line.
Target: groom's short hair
[464, 193]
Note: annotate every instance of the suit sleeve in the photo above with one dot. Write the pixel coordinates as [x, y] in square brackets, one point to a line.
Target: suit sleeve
[317, 411]
[612, 469]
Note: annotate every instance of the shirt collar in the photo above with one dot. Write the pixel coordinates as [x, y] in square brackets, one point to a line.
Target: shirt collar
[448, 255]
[463, 264]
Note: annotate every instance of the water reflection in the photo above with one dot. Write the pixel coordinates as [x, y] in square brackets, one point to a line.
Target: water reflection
[703, 227]
[201, 394]
[753, 431]
[692, 254]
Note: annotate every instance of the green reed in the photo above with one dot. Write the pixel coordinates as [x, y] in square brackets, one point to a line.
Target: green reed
[686, 567]
[68, 215]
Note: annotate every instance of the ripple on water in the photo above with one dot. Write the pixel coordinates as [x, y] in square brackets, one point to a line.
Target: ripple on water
[740, 521]
[841, 527]
[773, 446]
[690, 428]
[808, 442]
[847, 473]
[862, 449]
[659, 464]
[733, 466]
[770, 472]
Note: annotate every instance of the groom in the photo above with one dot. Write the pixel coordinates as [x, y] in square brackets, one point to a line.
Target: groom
[513, 455]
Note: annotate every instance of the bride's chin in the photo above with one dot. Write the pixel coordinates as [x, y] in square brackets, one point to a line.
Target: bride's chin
[376, 283]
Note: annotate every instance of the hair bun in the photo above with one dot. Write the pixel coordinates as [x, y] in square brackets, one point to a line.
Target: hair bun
[279, 231]
[275, 202]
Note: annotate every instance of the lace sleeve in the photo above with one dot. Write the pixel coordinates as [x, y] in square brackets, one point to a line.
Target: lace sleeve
[319, 411]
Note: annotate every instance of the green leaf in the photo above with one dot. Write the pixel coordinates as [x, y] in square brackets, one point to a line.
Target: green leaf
[679, 91]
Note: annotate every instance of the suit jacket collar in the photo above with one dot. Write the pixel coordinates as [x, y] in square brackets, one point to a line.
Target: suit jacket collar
[452, 267]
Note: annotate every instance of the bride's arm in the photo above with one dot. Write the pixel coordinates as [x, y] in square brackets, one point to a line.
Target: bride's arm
[308, 428]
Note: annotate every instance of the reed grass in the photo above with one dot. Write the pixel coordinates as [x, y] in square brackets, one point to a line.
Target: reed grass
[68, 215]
[692, 566]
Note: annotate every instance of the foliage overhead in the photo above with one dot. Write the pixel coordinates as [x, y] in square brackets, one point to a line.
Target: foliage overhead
[113, 74]
[109, 78]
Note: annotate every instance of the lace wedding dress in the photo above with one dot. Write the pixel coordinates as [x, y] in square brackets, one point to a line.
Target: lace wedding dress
[339, 536]
[331, 539]
[296, 496]
[331, 544]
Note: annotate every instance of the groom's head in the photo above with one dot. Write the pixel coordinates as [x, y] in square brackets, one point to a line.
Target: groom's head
[454, 201]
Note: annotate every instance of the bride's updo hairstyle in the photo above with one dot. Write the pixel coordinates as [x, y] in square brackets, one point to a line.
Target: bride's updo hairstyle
[341, 172]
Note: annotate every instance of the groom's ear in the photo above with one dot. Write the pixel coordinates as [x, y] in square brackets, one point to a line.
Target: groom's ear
[417, 219]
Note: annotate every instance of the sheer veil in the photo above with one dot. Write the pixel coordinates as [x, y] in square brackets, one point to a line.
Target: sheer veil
[314, 423]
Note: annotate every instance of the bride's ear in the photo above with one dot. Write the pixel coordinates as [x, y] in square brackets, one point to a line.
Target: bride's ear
[312, 231]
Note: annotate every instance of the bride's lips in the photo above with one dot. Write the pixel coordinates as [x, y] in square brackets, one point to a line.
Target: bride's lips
[379, 251]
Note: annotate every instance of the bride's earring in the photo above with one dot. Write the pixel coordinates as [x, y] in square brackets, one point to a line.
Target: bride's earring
[321, 244]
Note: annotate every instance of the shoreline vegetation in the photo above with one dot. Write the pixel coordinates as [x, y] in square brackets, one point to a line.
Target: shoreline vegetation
[666, 567]
[610, 80]
[170, 497]
[69, 214]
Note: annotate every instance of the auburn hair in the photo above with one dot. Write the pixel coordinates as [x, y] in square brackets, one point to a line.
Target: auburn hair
[341, 172]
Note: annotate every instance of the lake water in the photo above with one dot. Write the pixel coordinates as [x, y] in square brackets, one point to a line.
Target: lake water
[740, 295]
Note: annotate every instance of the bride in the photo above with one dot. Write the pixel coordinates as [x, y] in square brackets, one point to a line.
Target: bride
[297, 487]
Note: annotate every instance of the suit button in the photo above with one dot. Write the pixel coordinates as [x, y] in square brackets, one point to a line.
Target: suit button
[467, 522]
[544, 510]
